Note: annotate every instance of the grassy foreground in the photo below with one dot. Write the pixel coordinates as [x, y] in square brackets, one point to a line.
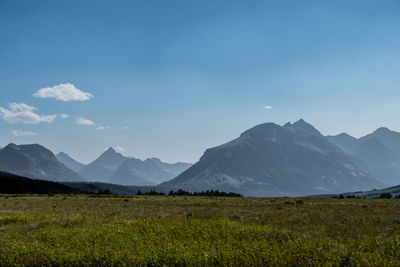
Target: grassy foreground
[193, 231]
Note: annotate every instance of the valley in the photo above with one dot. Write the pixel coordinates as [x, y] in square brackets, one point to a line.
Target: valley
[199, 133]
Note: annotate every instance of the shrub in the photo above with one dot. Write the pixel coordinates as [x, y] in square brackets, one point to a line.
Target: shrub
[386, 195]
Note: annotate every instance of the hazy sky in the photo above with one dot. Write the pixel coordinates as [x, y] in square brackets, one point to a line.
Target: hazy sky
[172, 78]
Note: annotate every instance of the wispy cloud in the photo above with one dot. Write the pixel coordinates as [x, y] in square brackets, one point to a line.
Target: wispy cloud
[64, 116]
[23, 113]
[102, 128]
[64, 92]
[21, 133]
[125, 128]
[119, 149]
[267, 107]
[83, 121]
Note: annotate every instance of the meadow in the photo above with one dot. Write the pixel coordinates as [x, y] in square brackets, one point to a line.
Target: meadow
[88, 230]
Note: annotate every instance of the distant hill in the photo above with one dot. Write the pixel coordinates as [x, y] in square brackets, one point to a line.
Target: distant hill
[102, 169]
[271, 160]
[13, 184]
[35, 161]
[65, 159]
[147, 172]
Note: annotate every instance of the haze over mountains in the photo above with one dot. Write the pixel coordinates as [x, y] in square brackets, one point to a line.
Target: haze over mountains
[113, 167]
[266, 160]
[70, 162]
[272, 160]
[379, 152]
[148, 172]
[104, 166]
[35, 161]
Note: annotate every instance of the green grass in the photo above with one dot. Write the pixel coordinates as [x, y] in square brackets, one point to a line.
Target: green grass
[197, 231]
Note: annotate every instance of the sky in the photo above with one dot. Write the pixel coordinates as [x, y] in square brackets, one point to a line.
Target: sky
[170, 79]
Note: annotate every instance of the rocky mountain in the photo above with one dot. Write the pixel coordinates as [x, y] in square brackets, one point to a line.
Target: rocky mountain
[389, 138]
[113, 167]
[347, 143]
[146, 172]
[172, 169]
[35, 161]
[304, 127]
[271, 160]
[102, 169]
[69, 162]
[376, 151]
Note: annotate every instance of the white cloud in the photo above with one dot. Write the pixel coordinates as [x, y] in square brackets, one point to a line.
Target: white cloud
[119, 149]
[102, 128]
[22, 133]
[64, 92]
[64, 116]
[23, 113]
[267, 107]
[124, 128]
[83, 121]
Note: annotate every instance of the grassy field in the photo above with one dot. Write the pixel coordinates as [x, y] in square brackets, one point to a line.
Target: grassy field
[192, 231]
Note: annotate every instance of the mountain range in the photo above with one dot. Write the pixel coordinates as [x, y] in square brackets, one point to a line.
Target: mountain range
[148, 172]
[266, 160]
[113, 167]
[273, 160]
[37, 162]
[101, 169]
[378, 153]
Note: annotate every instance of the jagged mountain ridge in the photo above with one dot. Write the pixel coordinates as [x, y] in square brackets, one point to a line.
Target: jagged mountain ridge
[113, 167]
[101, 169]
[35, 161]
[271, 160]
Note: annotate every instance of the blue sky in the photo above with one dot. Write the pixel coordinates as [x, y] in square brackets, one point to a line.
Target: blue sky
[172, 78]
